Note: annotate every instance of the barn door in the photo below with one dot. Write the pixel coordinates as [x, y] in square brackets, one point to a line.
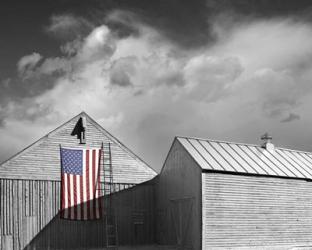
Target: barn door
[181, 214]
[140, 235]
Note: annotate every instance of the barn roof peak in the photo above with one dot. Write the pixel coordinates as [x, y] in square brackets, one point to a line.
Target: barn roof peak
[214, 155]
[48, 146]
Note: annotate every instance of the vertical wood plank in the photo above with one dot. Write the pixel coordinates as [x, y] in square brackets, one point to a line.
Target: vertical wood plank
[5, 214]
[23, 213]
[14, 215]
[1, 208]
[20, 214]
[10, 220]
[7, 242]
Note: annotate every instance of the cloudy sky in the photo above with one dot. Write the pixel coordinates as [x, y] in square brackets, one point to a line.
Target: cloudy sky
[150, 70]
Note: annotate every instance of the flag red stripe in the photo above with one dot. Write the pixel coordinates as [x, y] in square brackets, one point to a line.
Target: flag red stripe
[68, 195]
[75, 196]
[81, 205]
[88, 183]
[99, 184]
[63, 196]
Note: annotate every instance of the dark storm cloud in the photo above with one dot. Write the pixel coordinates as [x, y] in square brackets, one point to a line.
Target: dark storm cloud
[120, 71]
[18, 89]
[188, 23]
[291, 117]
[260, 8]
[120, 78]
[2, 120]
[184, 22]
[200, 67]
[34, 77]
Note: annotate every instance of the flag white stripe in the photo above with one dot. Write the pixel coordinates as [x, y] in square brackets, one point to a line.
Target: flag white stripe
[85, 215]
[91, 183]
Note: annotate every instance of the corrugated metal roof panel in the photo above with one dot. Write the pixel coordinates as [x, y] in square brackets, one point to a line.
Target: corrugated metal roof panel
[271, 162]
[302, 164]
[205, 154]
[194, 152]
[247, 167]
[246, 158]
[257, 160]
[228, 157]
[216, 155]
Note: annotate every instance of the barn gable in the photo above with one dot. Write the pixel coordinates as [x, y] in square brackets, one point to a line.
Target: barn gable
[41, 160]
[240, 158]
[179, 200]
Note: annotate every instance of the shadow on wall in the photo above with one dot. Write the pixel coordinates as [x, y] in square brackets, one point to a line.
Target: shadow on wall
[134, 216]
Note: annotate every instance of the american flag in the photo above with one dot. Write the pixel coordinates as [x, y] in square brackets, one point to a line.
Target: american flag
[80, 183]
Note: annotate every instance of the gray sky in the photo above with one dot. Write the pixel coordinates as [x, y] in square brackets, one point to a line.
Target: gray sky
[150, 70]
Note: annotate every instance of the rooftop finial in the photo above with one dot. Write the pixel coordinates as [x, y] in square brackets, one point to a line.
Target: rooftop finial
[267, 144]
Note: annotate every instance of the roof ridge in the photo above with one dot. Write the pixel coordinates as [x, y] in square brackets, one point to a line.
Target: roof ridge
[240, 143]
[214, 140]
[295, 150]
[238, 156]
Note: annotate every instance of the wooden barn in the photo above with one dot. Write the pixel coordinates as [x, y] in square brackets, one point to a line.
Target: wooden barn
[222, 195]
[30, 193]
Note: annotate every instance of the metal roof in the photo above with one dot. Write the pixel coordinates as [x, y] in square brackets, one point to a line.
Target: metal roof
[248, 159]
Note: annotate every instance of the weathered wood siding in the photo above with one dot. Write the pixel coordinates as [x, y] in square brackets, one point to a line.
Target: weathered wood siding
[29, 217]
[178, 212]
[26, 206]
[254, 211]
[41, 161]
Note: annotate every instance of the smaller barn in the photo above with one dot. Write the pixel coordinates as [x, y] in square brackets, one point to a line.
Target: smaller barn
[223, 195]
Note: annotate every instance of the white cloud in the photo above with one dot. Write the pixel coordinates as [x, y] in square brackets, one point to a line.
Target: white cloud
[29, 67]
[51, 65]
[98, 45]
[279, 43]
[27, 63]
[68, 25]
[61, 22]
[145, 89]
[208, 77]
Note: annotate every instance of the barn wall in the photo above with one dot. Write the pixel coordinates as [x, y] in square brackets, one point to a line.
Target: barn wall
[41, 161]
[29, 216]
[135, 208]
[255, 211]
[179, 201]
